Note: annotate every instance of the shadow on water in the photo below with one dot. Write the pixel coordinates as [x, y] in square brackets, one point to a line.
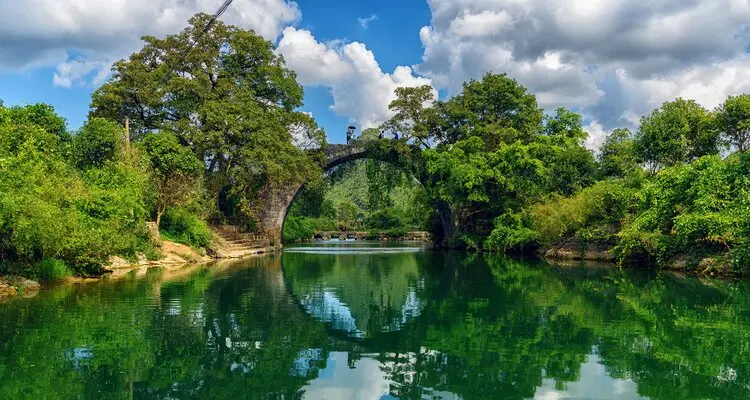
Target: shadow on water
[366, 321]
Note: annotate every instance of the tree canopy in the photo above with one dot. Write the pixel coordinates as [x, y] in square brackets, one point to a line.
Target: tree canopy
[230, 99]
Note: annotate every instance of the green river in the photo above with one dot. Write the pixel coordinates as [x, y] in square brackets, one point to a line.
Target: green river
[367, 321]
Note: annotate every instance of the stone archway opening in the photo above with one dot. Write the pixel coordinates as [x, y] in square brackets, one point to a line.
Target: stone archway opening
[278, 202]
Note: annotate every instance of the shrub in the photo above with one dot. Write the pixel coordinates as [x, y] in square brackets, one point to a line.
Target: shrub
[97, 143]
[397, 233]
[700, 209]
[52, 270]
[604, 204]
[386, 219]
[181, 226]
[48, 209]
[297, 229]
[323, 224]
[510, 235]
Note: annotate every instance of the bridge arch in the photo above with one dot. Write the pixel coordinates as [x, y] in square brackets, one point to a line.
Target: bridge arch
[277, 203]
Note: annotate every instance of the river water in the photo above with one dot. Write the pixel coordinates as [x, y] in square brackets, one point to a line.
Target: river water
[363, 321]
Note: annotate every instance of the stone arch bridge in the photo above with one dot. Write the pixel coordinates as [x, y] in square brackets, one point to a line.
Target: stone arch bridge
[277, 202]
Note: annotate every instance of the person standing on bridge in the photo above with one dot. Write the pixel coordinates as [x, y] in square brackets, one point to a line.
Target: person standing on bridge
[350, 134]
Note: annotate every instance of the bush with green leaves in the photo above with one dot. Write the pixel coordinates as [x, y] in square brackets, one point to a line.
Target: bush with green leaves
[97, 143]
[386, 219]
[51, 209]
[52, 270]
[297, 229]
[700, 209]
[181, 226]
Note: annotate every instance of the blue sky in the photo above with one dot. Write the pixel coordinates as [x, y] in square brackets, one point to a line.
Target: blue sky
[393, 36]
[611, 60]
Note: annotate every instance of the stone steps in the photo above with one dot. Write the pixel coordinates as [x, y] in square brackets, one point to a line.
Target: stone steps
[231, 242]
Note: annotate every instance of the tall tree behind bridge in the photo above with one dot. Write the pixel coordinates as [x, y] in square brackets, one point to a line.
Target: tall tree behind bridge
[227, 96]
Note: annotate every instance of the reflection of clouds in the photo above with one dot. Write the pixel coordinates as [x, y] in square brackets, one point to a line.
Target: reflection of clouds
[366, 381]
[326, 306]
[305, 365]
[412, 307]
[594, 383]
[337, 381]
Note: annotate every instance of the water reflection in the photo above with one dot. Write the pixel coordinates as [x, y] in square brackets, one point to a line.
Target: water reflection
[360, 291]
[343, 324]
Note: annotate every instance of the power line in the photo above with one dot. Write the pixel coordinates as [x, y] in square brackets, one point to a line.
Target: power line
[208, 26]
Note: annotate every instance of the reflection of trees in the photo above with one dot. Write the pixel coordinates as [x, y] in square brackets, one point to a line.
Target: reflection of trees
[201, 338]
[487, 327]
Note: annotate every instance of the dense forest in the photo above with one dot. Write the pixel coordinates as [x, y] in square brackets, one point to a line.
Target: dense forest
[215, 124]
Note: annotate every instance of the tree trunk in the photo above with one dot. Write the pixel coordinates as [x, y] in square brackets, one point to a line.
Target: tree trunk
[159, 213]
[446, 219]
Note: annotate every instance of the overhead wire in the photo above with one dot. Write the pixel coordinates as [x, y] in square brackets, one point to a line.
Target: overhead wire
[206, 28]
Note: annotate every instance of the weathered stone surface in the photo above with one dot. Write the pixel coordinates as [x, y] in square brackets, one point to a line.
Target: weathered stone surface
[277, 201]
[118, 263]
[572, 250]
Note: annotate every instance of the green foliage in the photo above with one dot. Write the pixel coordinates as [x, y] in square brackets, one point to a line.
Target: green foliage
[97, 143]
[617, 157]
[49, 209]
[678, 132]
[41, 115]
[397, 233]
[386, 219]
[347, 213]
[230, 99]
[604, 204]
[176, 171]
[52, 270]
[181, 226]
[297, 229]
[510, 235]
[411, 120]
[733, 119]
[376, 191]
[698, 208]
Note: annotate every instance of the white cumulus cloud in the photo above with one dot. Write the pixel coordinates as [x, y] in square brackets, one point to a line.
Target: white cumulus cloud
[46, 32]
[612, 60]
[360, 89]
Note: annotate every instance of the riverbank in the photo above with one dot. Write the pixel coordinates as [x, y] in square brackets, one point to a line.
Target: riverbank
[175, 256]
[715, 265]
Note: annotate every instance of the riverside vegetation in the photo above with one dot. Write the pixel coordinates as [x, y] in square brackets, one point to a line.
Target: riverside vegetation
[216, 127]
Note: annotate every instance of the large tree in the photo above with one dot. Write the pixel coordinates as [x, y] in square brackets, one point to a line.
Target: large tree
[617, 158]
[733, 119]
[227, 95]
[679, 131]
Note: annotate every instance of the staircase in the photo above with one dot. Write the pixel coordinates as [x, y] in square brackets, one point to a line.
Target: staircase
[231, 242]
